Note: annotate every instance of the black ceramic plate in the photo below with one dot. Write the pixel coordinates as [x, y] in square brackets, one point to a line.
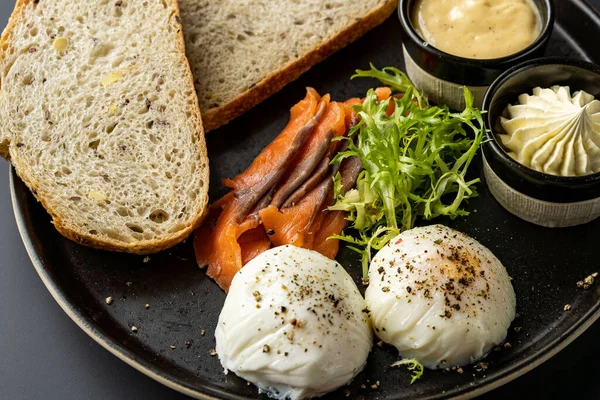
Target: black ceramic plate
[183, 302]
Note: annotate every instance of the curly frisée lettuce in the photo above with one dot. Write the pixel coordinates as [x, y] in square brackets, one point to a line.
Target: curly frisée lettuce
[415, 368]
[414, 163]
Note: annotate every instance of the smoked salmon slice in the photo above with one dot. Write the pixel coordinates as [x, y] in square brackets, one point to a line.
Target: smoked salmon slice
[334, 222]
[319, 174]
[290, 225]
[253, 242]
[351, 115]
[300, 115]
[383, 93]
[322, 150]
[218, 246]
[309, 224]
[318, 222]
[284, 195]
[271, 164]
[329, 223]
[318, 145]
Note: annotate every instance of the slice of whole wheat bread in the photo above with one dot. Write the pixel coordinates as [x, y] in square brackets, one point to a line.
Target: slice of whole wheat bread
[99, 117]
[243, 51]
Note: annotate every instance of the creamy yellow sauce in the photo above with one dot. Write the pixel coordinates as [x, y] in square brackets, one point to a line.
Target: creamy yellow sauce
[481, 29]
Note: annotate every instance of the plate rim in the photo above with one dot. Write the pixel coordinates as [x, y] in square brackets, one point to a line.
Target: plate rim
[491, 382]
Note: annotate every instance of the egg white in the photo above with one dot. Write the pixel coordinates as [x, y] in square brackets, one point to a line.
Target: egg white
[439, 296]
[294, 324]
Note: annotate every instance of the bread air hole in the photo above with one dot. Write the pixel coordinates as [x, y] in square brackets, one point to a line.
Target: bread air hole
[135, 228]
[146, 108]
[151, 183]
[110, 128]
[159, 216]
[195, 38]
[101, 50]
[94, 145]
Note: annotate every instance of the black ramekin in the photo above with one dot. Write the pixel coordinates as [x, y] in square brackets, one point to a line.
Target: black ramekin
[460, 71]
[543, 72]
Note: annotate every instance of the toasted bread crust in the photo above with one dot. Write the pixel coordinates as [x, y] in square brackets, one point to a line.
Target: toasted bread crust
[12, 22]
[275, 81]
[76, 233]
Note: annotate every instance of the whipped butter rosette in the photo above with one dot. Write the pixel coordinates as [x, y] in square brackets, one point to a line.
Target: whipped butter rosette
[554, 132]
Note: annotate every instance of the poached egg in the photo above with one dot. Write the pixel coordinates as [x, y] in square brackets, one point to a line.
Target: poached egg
[294, 324]
[440, 297]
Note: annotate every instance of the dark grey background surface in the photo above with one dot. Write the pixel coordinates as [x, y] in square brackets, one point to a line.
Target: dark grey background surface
[44, 355]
